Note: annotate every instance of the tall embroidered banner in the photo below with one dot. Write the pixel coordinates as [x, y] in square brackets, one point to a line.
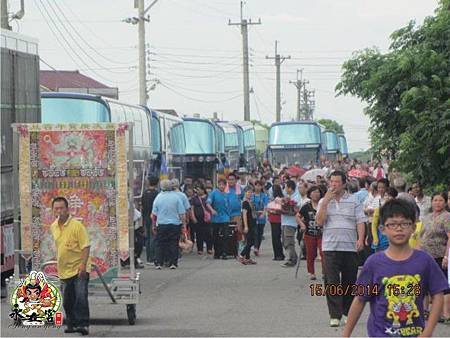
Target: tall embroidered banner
[87, 164]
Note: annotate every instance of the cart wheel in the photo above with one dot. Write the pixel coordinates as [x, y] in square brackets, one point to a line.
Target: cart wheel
[131, 313]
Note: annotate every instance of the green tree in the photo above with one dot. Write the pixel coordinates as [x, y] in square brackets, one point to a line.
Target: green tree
[332, 125]
[407, 91]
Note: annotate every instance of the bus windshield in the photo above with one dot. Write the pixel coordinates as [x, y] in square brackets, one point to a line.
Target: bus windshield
[332, 142]
[249, 138]
[73, 110]
[156, 135]
[343, 144]
[293, 133]
[220, 139]
[200, 137]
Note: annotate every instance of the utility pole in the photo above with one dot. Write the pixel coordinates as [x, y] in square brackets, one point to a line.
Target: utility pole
[298, 85]
[140, 21]
[244, 31]
[311, 104]
[4, 13]
[305, 101]
[142, 65]
[278, 61]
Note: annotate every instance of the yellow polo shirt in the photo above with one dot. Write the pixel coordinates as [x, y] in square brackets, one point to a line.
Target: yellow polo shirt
[70, 238]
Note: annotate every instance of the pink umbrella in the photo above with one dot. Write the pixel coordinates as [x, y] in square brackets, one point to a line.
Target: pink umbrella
[357, 173]
[296, 171]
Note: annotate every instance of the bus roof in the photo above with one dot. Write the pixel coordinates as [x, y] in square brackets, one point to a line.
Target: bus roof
[295, 122]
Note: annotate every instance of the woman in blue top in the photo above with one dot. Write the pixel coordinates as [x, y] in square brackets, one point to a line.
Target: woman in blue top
[260, 200]
[219, 205]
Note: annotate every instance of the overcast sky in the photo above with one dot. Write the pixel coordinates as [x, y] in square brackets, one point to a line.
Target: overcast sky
[198, 57]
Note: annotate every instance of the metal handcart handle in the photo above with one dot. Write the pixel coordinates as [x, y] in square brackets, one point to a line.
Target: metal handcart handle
[97, 270]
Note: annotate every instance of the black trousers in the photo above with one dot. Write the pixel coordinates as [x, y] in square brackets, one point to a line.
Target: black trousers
[167, 237]
[220, 231]
[204, 236]
[249, 242]
[75, 301]
[276, 240]
[139, 241]
[259, 235]
[340, 268]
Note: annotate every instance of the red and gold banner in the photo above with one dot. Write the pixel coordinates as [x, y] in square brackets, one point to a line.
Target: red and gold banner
[86, 164]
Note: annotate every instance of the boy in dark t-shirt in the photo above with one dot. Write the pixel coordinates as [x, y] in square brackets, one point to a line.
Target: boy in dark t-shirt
[395, 281]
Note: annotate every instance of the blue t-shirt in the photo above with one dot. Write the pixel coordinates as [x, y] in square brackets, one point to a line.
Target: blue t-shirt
[396, 289]
[383, 241]
[168, 207]
[361, 195]
[260, 202]
[221, 204]
[235, 202]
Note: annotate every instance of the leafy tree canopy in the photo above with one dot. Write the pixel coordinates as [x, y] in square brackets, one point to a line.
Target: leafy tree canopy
[407, 91]
[332, 125]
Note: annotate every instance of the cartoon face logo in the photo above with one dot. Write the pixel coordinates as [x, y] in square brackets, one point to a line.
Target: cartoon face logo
[35, 300]
[401, 303]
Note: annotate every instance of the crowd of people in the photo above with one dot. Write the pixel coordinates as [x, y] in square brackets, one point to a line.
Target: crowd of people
[399, 237]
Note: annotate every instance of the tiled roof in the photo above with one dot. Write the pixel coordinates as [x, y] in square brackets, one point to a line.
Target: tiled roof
[53, 80]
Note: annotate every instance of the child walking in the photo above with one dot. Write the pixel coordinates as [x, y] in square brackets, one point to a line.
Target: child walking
[395, 281]
[249, 226]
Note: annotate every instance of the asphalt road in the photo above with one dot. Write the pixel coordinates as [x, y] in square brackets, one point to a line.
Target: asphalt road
[207, 297]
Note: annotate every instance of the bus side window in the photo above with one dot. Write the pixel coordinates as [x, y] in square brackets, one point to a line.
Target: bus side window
[138, 126]
[117, 114]
[146, 131]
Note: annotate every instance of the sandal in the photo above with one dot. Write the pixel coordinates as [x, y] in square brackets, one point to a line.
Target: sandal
[444, 320]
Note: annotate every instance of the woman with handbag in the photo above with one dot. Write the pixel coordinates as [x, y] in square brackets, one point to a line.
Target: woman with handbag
[202, 220]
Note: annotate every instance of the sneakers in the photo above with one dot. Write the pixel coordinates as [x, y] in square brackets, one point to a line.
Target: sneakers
[158, 267]
[288, 264]
[312, 276]
[173, 267]
[334, 322]
[69, 329]
[251, 261]
[82, 329]
[344, 319]
[256, 252]
[200, 253]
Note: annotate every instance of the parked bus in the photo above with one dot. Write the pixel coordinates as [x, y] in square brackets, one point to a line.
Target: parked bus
[295, 142]
[261, 139]
[169, 139]
[247, 144]
[20, 102]
[332, 151]
[60, 107]
[231, 144]
[343, 145]
[201, 151]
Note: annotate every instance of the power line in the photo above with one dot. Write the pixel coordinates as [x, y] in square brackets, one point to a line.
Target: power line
[68, 44]
[80, 37]
[56, 36]
[92, 32]
[198, 100]
[196, 90]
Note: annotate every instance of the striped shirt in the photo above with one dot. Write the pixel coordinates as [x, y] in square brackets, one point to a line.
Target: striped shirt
[339, 230]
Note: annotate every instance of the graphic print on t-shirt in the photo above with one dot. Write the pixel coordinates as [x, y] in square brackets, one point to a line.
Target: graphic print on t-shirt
[401, 292]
